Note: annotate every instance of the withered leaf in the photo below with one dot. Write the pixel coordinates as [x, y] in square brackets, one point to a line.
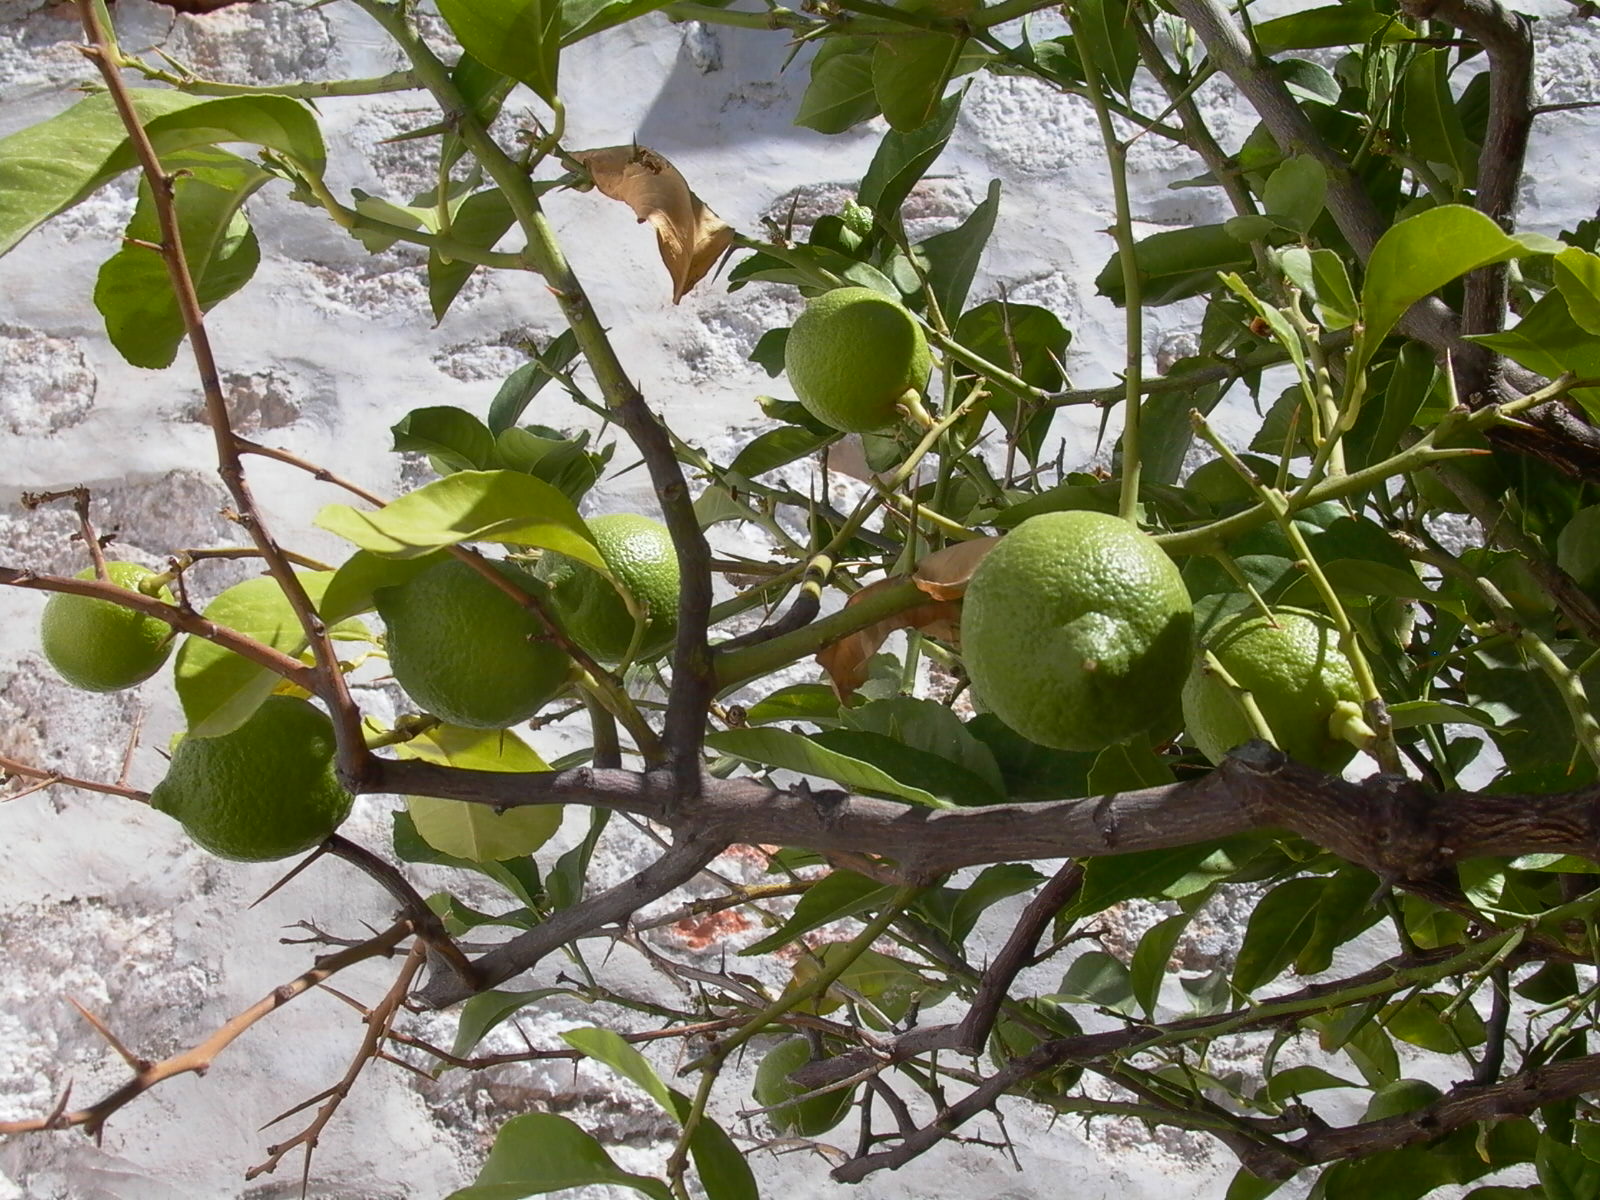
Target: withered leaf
[691, 237]
[944, 573]
[846, 660]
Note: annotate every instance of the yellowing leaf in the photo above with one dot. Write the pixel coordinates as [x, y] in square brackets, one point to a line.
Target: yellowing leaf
[944, 574]
[846, 660]
[691, 237]
[477, 832]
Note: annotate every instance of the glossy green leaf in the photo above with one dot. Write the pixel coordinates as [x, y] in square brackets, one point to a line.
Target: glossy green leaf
[217, 688]
[1031, 771]
[528, 380]
[797, 752]
[993, 884]
[951, 258]
[1126, 767]
[1148, 967]
[538, 1153]
[469, 506]
[603, 1045]
[1296, 192]
[913, 768]
[716, 505]
[891, 984]
[834, 897]
[903, 157]
[1109, 42]
[1577, 274]
[49, 167]
[840, 93]
[1248, 1186]
[1096, 977]
[1290, 1082]
[1279, 928]
[1409, 713]
[1419, 255]
[353, 585]
[483, 1012]
[519, 38]
[929, 726]
[1175, 265]
[814, 702]
[565, 463]
[776, 448]
[1334, 25]
[1344, 910]
[909, 75]
[481, 220]
[1419, 1020]
[1031, 343]
[1146, 873]
[1565, 1172]
[452, 437]
[585, 18]
[1434, 132]
[478, 832]
[1550, 340]
[518, 876]
[134, 291]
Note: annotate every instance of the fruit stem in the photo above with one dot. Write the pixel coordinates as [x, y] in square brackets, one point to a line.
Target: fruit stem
[910, 403]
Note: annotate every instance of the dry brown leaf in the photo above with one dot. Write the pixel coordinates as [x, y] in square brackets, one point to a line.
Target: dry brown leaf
[691, 237]
[846, 660]
[944, 574]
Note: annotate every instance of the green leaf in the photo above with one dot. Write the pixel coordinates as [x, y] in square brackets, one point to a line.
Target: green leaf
[469, 506]
[1344, 910]
[797, 752]
[1409, 713]
[1109, 42]
[1577, 275]
[1433, 128]
[452, 437]
[769, 351]
[49, 167]
[1335, 25]
[1031, 343]
[1175, 265]
[1149, 964]
[1031, 771]
[1279, 927]
[952, 257]
[993, 884]
[1291, 1082]
[912, 768]
[1296, 191]
[1419, 1020]
[814, 702]
[1550, 340]
[1127, 768]
[519, 38]
[1419, 255]
[931, 727]
[903, 158]
[565, 463]
[1247, 1186]
[832, 898]
[528, 380]
[353, 585]
[605, 1046]
[716, 505]
[890, 984]
[1565, 1172]
[1146, 873]
[777, 447]
[1096, 977]
[484, 1011]
[134, 292]
[518, 876]
[538, 1153]
[909, 75]
[840, 93]
[479, 832]
[217, 688]
[585, 18]
[481, 220]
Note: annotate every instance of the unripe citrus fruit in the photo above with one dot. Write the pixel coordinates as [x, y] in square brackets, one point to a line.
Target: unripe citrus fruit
[639, 552]
[467, 652]
[1076, 630]
[805, 1118]
[1298, 676]
[265, 790]
[852, 357]
[100, 646]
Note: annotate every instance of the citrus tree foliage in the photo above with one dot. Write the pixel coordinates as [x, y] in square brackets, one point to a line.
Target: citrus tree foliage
[1356, 287]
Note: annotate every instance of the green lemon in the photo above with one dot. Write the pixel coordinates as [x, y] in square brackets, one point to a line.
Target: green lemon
[1077, 630]
[1578, 548]
[266, 790]
[853, 356]
[100, 646]
[803, 1118]
[1300, 679]
[639, 552]
[467, 652]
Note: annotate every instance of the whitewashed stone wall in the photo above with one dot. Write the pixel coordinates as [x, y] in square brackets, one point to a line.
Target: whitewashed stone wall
[105, 903]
